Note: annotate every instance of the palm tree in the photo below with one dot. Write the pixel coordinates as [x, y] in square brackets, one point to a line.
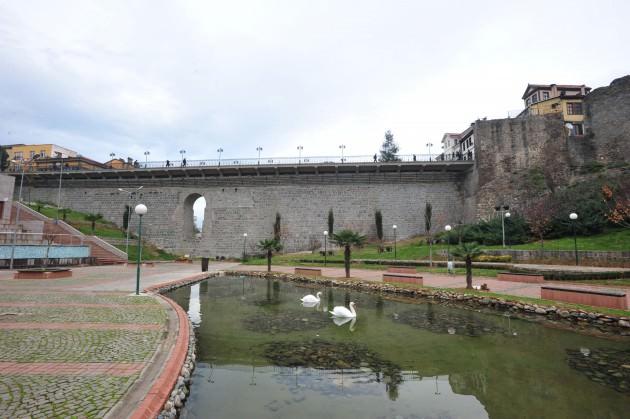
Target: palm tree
[270, 246]
[347, 239]
[93, 218]
[467, 251]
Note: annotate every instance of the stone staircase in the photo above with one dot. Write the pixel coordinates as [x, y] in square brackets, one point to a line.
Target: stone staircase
[103, 252]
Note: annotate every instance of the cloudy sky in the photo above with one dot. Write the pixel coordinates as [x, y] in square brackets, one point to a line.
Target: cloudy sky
[128, 76]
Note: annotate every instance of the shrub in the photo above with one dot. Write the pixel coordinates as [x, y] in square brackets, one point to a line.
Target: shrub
[493, 258]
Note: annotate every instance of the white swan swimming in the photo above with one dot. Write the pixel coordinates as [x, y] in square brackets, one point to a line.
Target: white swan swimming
[311, 304]
[311, 298]
[341, 311]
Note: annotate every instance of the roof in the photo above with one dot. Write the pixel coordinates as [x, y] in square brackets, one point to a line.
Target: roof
[533, 87]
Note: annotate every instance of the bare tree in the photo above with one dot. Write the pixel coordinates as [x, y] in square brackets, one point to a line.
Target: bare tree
[539, 215]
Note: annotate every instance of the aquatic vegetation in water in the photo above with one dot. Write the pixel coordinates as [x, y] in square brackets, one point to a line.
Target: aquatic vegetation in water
[322, 354]
[285, 321]
[610, 367]
[453, 323]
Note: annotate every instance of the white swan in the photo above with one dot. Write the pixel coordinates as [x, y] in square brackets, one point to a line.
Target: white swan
[311, 305]
[311, 298]
[341, 311]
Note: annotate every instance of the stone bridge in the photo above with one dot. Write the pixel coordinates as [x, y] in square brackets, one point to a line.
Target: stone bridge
[245, 199]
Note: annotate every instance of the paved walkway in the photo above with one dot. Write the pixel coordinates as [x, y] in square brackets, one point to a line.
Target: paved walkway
[442, 280]
[77, 346]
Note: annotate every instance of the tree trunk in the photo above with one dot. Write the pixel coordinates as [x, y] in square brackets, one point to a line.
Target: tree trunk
[430, 253]
[93, 226]
[469, 273]
[268, 260]
[346, 260]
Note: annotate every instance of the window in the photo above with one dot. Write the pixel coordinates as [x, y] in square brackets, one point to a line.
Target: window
[578, 129]
[42, 153]
[17, 155]
[545, 95]
[574, 108]
[32, 154]
[535, 98]
[528, 102]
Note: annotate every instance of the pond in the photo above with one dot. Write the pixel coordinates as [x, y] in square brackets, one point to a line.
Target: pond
[261, 354]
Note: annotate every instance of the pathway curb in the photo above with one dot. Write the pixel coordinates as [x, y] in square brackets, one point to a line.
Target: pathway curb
[163, 386]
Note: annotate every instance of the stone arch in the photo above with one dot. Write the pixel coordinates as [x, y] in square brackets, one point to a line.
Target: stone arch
[190, 232]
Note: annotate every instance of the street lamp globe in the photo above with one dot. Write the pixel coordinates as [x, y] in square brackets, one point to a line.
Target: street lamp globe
[394, 226]
[325, 232]
[244, 234]
[507, 215]
[447, 227]
[573, 216]
[140, 209]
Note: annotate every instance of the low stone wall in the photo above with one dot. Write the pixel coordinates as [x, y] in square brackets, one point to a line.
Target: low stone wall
[582, 320]
[402, 277]
[611, 299]
[585, 257]
[308, 271]
[521, 277]
[402, 269]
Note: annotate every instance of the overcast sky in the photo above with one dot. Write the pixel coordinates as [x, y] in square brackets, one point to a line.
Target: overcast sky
[129, 76]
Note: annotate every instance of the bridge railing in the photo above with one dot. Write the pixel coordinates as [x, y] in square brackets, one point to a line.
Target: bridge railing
[249, 161]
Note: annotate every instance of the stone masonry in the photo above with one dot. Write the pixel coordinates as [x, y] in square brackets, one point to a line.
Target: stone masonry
[234, 208]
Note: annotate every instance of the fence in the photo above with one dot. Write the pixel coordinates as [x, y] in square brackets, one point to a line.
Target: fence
[231, 162]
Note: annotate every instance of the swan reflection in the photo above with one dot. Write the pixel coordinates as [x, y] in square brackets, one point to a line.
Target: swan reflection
[340, 321]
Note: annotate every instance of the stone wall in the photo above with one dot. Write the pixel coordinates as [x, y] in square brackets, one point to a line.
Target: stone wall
[234, 208]
[519, 159]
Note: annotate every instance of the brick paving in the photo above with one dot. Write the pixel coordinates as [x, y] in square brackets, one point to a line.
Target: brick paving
[74, 347]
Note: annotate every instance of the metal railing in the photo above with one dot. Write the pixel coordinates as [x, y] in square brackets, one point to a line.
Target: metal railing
[236, 162]
[19, 238]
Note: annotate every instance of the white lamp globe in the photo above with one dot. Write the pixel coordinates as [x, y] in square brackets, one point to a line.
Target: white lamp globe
[140, 209]
[394, 226]
[325, 232]
[244, 234]
[447, 227]
[507, 215]
[573, 216]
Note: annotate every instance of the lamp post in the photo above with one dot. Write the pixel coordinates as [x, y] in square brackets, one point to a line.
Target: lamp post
[395, 227]
[146, 158]
[448, 240]
[130, 194]
[244, 244]
[219, 150]
[299, 149]
[17, 212]
[573, 217]
[140, 209]
[259, 149]
[182, 152]
[325, 246]
[342, 147]
[59, 191]
[429, 145]
[502, 209]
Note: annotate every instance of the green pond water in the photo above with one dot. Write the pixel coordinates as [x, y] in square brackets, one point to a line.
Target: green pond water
[261, 354]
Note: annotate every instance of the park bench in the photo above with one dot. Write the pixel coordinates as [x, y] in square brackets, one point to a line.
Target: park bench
[323, 253]
[308, 271]
[36, 273]
[402, 269]
[402, 277]
[588, 296]
[521, 277]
